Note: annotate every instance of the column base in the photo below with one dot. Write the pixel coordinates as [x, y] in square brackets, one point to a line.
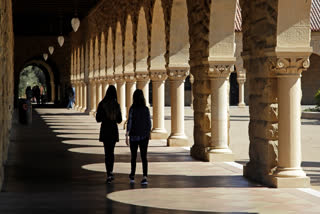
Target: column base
[93, 113]
[178, 141]
[241, 105]
[289, 182]
[159, 134]
[220, 155]
[82, 110]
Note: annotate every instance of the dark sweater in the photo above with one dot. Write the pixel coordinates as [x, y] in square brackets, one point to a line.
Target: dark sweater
[109, 128]
[139, 123]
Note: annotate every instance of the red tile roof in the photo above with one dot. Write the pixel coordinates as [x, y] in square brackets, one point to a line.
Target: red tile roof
[314, 16]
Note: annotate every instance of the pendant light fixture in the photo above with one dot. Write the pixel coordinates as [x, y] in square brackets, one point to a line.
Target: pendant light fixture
[51, 49]
[75, 21]
[45, 56]
[60, 38]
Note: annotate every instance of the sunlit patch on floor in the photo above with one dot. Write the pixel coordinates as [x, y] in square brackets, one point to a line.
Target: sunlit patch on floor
[169, 168]
[80, 136]
[83, 142]
[77, 131]
[88, 150]
[256, 200]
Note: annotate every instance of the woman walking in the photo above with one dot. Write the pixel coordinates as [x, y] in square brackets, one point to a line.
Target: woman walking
[138, 128]
[109, 114]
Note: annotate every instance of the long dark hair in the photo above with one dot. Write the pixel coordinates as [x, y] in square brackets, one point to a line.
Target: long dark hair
[110, 103]
[138, 98]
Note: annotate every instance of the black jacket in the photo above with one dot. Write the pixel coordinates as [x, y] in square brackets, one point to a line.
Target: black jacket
[140, 124]
[109, 128]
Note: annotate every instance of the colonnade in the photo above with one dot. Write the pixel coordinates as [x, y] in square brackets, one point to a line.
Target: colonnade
[163, 47]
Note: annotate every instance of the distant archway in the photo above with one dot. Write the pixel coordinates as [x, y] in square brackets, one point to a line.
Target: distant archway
[48, 78]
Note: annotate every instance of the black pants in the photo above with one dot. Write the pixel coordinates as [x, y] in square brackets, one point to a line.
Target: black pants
[143, 145]
[109, 156]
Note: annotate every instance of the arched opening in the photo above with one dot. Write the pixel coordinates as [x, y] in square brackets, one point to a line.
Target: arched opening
[187, 92]
[310, 81]
[234, 89]
[38, 79]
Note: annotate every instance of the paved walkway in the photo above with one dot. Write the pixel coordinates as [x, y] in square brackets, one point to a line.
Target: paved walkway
[56, 166]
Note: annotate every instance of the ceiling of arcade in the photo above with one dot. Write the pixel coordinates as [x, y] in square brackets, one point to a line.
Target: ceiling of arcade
[49, 17]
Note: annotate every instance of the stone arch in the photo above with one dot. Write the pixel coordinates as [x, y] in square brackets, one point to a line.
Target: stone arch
[142, 43]
[46, 68]
[179, 35]
[96, 57]
[86, 61]
[72, 64]
[91, 59]
[118, 50]
[110, 57]
[158, 42]
[82, 62]
[78, 63]
[128, 47]
[221, 31]
[102, 55]
[310, 80]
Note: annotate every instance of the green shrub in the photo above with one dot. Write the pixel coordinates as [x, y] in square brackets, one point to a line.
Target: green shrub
[317, 98]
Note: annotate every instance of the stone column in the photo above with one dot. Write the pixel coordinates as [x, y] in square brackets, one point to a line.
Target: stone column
[121, 92]
[143, 84]
[219, 79]
[191, 93]
[53, 93]
[84, 97]
[99, 92]
[289, 172]
[176, 78]
[80, 96]
[241, 80]
[158, 79]
[130, 88]
[93, 96]
[76, 86]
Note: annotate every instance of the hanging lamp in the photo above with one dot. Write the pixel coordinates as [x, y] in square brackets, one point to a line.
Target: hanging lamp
[75, 21]
[51, 49]
[45, 56]
[60, 38]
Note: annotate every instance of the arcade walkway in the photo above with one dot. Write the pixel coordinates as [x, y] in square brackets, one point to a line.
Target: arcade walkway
[56, 166]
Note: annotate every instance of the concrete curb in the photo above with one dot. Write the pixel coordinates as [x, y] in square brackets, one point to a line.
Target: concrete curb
[310, 115]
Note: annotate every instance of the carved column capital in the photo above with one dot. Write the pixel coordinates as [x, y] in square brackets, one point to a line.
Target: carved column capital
[178, 73]
[158, 75]
[110, 79]
[119, 78]
[220, 69]
[241, 80]
[142, 76]
[92, 81]
[291, 65]
[129, 77]
[191, 79]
